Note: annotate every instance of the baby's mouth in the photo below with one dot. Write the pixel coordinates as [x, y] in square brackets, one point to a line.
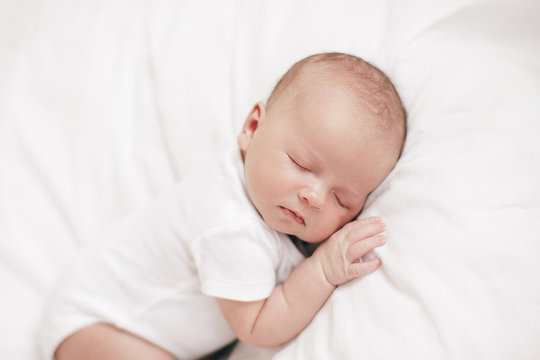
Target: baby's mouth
[293, 215]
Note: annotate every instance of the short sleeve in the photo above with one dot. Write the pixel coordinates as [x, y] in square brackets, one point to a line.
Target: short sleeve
[237, 262]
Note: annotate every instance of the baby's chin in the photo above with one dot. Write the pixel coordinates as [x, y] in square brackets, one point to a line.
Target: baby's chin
[306, 236]
[311, 238]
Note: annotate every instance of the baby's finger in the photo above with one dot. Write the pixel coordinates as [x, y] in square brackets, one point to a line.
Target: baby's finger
[362, 222]
[363, 268]
[361, 248]
[362, 230]
[368, 219]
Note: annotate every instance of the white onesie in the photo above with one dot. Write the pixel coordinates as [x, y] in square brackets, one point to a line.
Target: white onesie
[158, 272]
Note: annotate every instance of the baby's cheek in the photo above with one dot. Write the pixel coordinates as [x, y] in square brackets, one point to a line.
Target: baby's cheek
[337, 224]
[323, 231]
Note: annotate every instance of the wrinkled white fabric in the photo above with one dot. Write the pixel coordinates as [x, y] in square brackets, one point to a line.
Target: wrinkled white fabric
[105, 104]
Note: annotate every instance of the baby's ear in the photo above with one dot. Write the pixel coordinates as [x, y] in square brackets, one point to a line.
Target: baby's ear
[250, 125]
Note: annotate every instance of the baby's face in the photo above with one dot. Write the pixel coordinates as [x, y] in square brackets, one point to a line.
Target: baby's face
[310, 163]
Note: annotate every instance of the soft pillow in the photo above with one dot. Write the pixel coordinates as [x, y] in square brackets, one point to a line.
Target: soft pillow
[460, 273]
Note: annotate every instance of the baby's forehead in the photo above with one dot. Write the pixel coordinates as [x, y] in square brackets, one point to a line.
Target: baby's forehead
[323, 87]
[325, 75]
[331, 98]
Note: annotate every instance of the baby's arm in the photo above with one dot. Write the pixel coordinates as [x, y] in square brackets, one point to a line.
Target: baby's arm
[292, 305]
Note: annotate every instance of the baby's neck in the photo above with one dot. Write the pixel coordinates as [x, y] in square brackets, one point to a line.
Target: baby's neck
[304, 247]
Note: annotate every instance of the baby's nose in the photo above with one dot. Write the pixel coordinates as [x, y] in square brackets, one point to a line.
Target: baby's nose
[313, 195]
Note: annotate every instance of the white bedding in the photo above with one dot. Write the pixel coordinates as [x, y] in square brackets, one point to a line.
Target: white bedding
[104, 104]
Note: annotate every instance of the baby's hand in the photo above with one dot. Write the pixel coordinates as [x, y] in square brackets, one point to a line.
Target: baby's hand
[340, 253]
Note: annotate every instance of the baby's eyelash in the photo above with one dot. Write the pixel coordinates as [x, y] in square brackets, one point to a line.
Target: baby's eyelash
[296, 163]
[339, 201]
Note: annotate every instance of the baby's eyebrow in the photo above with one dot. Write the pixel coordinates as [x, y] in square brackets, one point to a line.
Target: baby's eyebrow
[309, 157]
[351, 195]
[311, 154]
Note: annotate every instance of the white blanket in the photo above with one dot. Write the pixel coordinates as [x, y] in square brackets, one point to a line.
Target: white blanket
[106, 103]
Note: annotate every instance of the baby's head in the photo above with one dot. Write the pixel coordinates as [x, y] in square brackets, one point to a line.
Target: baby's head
[332, 130]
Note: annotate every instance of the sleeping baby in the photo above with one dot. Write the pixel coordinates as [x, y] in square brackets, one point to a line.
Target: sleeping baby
[212, 260]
